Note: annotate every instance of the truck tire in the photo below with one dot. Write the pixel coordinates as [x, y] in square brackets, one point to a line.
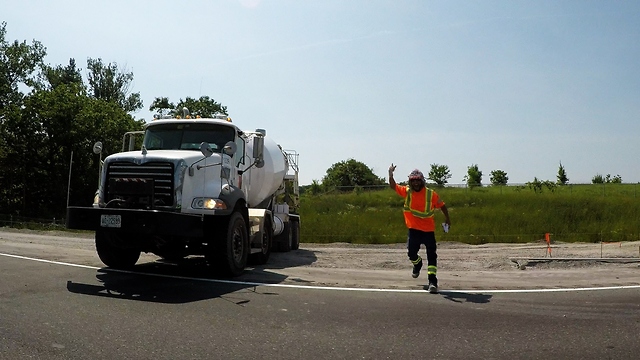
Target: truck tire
[231, 253]
[295, 235]
[285, 241]
[112, 253]
[262, 257]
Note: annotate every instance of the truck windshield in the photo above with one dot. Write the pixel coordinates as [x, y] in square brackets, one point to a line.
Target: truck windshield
[187, 136]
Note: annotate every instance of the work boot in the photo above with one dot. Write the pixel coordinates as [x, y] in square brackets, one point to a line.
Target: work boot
[433, 284]
[416, 270]
[433, 289]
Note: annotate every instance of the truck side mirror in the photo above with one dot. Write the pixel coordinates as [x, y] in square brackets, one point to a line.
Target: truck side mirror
[97, 148]
[258, 151]
[206, 149]
[230, 148]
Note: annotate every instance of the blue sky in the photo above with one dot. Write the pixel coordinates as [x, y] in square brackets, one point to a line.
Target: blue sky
[518, 86]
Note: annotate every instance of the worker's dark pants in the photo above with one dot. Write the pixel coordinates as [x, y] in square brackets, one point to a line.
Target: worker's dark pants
[417, 238]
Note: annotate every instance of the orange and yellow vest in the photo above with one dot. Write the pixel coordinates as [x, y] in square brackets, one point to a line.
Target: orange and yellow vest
[419, 207]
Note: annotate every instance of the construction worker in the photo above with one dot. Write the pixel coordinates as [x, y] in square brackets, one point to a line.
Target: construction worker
[419, 206]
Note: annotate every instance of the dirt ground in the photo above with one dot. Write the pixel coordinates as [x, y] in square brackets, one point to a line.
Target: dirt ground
[460, 266]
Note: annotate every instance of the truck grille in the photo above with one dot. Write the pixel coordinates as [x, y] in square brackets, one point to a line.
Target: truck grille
[160, 174]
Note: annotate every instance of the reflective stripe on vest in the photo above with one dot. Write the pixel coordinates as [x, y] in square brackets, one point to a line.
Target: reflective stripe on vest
[419, 213]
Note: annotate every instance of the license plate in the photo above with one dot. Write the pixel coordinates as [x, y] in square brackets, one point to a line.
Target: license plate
[110, 221]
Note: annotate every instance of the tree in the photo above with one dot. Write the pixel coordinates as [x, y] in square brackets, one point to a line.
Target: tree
[498, 177]
[107, 82]
[204, 107]
[162, 106]
[315, 188]
[474, 176]
[599, 179]
[537, 185]
[562, 175]
[53, 123]
[350, 173]
[18, 64]
[59, 75]
[439, 174]
[40, 130]
[616, 179]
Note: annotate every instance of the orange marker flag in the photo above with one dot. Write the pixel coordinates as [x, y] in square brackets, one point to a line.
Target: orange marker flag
[548, 240]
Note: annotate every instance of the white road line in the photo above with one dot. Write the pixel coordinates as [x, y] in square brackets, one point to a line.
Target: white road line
[234, 282]
[49, 261]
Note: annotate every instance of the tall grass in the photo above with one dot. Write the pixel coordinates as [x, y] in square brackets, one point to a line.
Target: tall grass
[578, 213]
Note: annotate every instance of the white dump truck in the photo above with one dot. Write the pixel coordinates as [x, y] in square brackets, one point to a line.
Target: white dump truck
[195, 186]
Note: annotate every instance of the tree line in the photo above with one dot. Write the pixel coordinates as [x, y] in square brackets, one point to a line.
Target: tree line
[351, 174]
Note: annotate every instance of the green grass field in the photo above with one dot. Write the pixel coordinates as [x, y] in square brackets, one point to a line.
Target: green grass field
[508, 214]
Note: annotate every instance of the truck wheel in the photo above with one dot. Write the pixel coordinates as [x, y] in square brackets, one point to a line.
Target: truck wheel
[285, 239]
[262, 257]
[295, 235]
[231, 255]
[112, 253]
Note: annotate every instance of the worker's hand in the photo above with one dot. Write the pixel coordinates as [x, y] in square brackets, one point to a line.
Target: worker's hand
[392, 168]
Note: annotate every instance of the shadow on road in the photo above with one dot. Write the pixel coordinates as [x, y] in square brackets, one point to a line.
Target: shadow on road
[461, 297]
[169, 283]
[294, 258]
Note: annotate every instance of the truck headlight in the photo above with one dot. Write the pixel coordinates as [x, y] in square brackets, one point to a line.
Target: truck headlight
[208, 203]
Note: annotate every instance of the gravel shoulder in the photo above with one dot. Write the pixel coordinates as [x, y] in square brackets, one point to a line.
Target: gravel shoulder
[460, 266]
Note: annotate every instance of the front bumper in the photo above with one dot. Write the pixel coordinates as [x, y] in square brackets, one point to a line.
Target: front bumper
[148, 222]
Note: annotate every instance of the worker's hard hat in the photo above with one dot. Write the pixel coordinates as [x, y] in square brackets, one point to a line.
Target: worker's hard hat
[416, 175]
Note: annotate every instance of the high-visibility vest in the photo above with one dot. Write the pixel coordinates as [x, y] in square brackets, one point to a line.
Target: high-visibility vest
[427, 212]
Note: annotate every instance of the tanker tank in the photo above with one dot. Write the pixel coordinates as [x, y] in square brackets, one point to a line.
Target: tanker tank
[265, 181]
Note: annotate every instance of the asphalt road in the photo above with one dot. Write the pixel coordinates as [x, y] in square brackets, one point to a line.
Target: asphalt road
[51, 310]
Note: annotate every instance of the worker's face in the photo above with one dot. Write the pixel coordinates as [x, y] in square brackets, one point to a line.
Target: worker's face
[416, 184]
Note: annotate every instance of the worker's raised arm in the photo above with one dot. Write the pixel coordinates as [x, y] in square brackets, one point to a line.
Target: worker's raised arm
[392, 182]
